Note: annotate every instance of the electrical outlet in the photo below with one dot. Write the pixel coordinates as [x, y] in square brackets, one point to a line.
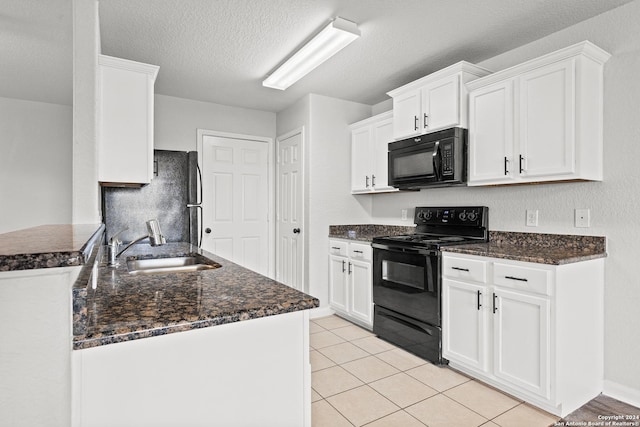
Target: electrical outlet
[583, 218]
[404, 214]
[532, 218]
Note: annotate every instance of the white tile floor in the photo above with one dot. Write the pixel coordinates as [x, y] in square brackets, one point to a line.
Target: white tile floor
[359, 380]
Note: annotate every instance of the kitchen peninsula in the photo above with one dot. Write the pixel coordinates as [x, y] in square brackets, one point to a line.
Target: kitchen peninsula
[129, 365]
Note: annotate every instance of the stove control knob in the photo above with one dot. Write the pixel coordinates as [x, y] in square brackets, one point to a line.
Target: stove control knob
[428, 215]
[472, 216]
[463, 216]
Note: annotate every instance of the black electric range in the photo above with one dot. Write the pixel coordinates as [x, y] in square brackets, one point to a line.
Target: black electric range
[407, 276]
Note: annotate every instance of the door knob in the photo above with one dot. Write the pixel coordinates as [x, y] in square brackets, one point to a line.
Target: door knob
[207, 230]
[296, 230]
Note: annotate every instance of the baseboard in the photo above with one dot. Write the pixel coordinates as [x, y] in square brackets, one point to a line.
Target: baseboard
[314, 313]
[622, 393]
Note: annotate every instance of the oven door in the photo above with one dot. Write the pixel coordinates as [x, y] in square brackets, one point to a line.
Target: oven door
[407, 281]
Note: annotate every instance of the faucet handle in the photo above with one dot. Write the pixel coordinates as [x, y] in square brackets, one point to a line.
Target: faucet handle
[113, 248]
[155, 234]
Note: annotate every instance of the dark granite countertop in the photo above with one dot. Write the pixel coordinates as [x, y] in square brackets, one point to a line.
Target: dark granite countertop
[554, 249]
[366, 232]
[48, 246]
[111, 305]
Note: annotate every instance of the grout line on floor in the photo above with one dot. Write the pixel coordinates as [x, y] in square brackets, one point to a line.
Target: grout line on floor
[439, 392]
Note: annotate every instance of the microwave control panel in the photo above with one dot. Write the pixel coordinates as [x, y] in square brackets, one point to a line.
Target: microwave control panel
[447, 155]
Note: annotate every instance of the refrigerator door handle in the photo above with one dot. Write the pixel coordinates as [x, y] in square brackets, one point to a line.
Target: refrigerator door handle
[198, 205]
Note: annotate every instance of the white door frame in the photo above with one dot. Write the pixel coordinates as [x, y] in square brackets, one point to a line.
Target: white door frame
[305, 231]
[270, 176]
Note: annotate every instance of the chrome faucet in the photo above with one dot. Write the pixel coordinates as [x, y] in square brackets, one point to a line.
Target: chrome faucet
[154, 235]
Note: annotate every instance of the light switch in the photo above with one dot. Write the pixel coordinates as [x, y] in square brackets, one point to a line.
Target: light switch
[404, 214]
[532, 217]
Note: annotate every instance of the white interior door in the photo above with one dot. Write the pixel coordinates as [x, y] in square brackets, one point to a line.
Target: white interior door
[290, 247]
[236, 200]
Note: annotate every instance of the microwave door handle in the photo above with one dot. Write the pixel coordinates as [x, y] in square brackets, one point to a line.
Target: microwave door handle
[436, 160]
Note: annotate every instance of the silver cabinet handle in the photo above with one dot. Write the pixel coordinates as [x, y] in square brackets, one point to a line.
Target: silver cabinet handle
[460, 269]
[479, 304]
[373, 180]
[415, 122]
[506, 165]
[426, 123]
[350, 268]
[366, 180]
[521, 160]
[519, 279]
[343, 262]
[495, 307]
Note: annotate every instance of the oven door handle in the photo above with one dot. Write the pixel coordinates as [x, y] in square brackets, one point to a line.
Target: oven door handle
[403, 249]
[405, 323]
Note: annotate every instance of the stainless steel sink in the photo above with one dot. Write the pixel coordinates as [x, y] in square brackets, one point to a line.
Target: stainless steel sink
[169, 265]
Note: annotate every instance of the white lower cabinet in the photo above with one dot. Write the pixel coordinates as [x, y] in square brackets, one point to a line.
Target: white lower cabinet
[249, 373]
[466, 325]
[35, 349]
[350, 281]
[521, 340]
[532, 330]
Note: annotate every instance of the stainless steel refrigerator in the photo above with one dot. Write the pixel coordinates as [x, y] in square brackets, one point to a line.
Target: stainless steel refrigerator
[173, 197]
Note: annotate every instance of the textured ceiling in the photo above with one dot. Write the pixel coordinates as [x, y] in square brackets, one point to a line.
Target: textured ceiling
[36, 41]
[221, 50]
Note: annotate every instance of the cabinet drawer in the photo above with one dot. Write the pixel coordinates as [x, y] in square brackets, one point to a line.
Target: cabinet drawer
[360, 251]
[337, 247]
[529, 279]
[466, 269]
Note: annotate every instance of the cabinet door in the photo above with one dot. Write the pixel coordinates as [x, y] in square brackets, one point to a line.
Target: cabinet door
[125, 138]
[521, 340]
[491, 135]
[361, 159]
[547, 120]
[441, 104]
[382, 136]
[338, 282]
[360, 286]
[406, 114]
[464, 323]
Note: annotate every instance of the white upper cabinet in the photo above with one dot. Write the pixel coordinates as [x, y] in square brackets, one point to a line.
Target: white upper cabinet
[539, 121]
[125, 135]
[369, 147]
[491, 143]
[434, 102]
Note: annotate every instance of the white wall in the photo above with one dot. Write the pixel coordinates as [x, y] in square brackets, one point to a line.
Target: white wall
[35, 164]
[86, 47]
[328, 197]
[614, 203]
[177, 119]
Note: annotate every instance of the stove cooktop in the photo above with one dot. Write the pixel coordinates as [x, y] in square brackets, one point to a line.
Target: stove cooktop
[426, 240]
[439, 226]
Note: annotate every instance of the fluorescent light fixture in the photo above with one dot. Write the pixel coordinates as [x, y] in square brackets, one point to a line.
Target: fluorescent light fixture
[333, 38]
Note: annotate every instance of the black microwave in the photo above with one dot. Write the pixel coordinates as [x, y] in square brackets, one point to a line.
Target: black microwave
[436, 159]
